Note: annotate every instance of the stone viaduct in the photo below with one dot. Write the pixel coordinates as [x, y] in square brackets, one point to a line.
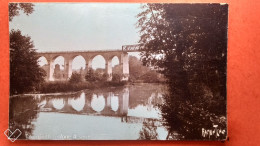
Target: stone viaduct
[88, 56]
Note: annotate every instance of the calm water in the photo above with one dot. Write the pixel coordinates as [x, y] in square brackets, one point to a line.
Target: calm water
[120, 113]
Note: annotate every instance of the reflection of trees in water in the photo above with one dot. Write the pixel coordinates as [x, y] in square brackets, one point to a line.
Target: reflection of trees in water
[148, 131]
[146, 94]
[23, 111]
[154, 100]
[189, 118]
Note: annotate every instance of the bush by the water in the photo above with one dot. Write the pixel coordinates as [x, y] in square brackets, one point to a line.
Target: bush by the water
[93, 76]
[152, 77]
[75, 78]
[138, 72]
[115, 83]
[116, 77]
[64, 86]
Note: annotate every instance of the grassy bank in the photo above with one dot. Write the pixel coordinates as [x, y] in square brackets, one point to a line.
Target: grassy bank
[65, 86]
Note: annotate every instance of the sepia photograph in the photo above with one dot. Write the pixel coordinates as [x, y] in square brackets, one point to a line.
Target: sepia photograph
[118, 71]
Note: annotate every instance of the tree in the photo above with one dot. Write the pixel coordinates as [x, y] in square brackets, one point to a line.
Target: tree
[150, 77]
[14, 9]
[148, 131]
[90, 76]
[188, 44]
[25, 73]
[75, 78]
[104, 77]
[136, 68]
[116, 77]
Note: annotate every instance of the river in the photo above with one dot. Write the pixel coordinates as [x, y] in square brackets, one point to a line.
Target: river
[122, 113]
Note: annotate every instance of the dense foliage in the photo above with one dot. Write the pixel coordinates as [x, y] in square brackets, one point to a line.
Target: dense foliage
[25, 73]
[65, 86]
[14, 9]
[75, 78]
[188, 44]
[139, 73]
[93, 76]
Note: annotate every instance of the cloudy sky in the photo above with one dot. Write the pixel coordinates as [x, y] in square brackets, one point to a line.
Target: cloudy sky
[80, 26]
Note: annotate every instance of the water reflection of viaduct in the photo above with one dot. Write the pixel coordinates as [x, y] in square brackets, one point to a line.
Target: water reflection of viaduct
[110, 104]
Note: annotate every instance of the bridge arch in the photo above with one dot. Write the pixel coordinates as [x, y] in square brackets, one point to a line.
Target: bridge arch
[110, 63]
[115, 61]
[98, 61]
[58, 67]
[79, 64]
[42, 61]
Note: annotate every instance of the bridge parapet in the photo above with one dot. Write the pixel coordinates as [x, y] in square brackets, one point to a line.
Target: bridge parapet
[132, 48]
[82, 51]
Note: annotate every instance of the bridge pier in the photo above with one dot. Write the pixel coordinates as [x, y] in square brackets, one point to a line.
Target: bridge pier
[50, 70]
[109, 69]
[67, 67]
[125, 66]
[89, 64]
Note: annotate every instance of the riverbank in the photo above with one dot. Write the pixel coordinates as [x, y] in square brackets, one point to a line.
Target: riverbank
[58, 88]
[65, 86]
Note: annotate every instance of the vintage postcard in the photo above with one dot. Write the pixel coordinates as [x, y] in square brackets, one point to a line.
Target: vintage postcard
[118, 71]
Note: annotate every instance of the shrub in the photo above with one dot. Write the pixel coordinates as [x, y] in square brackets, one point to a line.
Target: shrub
[115, 83]
[105, 77]
[90, 76]
[116, 77]
[75, 78]
[64, 86]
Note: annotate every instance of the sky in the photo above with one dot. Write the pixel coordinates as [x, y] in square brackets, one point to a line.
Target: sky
[80, 26]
